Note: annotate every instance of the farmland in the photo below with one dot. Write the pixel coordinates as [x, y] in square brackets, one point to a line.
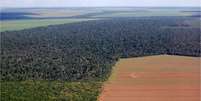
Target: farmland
[66, 54]
[18, 18]
[13, 25]
[154, 78]
[144, 13]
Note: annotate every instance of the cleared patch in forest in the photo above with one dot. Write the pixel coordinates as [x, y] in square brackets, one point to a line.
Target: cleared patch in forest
[150, 13]
[11, 25]
[154, 78]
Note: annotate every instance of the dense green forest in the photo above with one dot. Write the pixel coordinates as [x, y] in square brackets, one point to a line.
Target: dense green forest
[49, 91]
[88, 50]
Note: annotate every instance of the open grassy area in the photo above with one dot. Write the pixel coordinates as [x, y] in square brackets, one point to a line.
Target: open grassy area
[195, 23]
[49, 91]
[148, 13]
[185, 24]
[10, 25]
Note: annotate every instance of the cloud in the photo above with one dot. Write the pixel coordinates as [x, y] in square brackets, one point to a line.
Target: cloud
[72, 3]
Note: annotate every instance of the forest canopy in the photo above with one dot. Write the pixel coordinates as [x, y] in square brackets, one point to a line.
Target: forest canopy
[88, 50]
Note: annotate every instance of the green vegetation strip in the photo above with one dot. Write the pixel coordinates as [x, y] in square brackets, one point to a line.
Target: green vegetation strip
[11, 25]
[49, 91]
[144, 14]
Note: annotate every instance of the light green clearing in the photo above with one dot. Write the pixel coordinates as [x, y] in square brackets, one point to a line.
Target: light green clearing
[192, 23]
[12, 25]
[195, 23]
[145, 14]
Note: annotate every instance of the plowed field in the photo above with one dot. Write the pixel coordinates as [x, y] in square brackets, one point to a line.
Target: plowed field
[154, 78]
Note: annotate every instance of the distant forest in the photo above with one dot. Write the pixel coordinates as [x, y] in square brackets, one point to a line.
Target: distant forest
[88, 50]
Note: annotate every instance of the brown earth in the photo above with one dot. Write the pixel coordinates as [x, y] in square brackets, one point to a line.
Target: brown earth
[154, 78]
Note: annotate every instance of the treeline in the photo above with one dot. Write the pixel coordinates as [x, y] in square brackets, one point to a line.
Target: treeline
[88, 50]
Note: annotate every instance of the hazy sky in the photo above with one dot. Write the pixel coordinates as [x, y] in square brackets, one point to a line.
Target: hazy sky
[89, 3]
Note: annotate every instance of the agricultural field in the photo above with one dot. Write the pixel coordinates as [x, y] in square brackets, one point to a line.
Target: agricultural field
[185, 24]
[154, 78]
[13, 19]
[43, 13]
[19, 18]
[146, 13]
[13, 25]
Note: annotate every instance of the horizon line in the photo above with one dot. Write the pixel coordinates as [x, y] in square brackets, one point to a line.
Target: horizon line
[106, 7]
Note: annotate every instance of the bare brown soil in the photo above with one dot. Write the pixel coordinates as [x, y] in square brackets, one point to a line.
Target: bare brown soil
[154, 78]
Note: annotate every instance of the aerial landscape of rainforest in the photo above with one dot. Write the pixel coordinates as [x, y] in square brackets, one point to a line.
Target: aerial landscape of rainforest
[100, 53]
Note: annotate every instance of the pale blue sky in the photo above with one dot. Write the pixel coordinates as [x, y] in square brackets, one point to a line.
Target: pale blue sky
[94, 3]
